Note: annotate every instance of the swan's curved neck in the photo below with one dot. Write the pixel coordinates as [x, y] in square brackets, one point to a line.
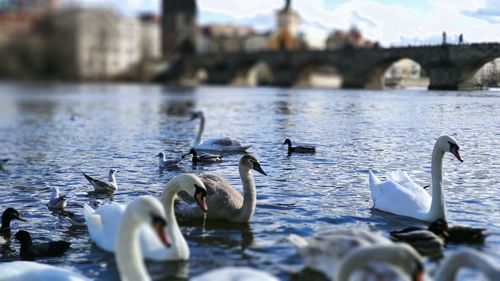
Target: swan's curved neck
[362, 258]
[437, 209]
[179, 244]
[112, 178]
[249, 194]
[200, 131]
[453, 264]
[128, 252]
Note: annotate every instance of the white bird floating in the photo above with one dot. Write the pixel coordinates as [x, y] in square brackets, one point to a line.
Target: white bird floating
[219, 144]
[57, 201]
[401, 196]
[103, 186]
[103, 223]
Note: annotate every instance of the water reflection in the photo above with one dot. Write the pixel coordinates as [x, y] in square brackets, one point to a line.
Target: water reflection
[124, 126]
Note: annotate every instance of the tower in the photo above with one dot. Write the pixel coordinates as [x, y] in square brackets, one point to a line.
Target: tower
[178, 27]
[287, 24]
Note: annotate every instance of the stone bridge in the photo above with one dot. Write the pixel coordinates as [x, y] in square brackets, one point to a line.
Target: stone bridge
[449, 67]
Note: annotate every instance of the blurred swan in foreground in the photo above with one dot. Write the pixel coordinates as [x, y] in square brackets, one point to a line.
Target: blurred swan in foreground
[104, 186]
[470, 258]
[235, 274]
[401, 196]
[384, 262]
[103, 223]
[323, 253]
[220, 144]
[225, 202]
[143, 210]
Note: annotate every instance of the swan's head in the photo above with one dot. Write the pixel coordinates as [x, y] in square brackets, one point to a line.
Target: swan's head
[55, 192]
[287, 141]
[449, 144]
[147, 209]
[23, 236]
[161, 155]
[112, 171]
[193, 185]
[12, 214]
[196, 115]
[250, 162]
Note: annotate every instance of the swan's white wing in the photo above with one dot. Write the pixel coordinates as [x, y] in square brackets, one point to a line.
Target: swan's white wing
[103, 224]
[235, 274]
[395, 198]
[403, 179]
[27, 271]
[222, 145]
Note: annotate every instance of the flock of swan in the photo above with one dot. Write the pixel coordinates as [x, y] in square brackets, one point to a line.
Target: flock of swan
[147, 227]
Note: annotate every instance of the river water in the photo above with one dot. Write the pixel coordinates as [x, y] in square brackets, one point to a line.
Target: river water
[53, 132]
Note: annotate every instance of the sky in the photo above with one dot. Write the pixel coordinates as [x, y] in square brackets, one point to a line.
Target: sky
[390, 22]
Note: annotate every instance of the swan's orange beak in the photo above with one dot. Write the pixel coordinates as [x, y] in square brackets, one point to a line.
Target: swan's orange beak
[200, 199]
[454, 151]
[159, 228]
[199, 196]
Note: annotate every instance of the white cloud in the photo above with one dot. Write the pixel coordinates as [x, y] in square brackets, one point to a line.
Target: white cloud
[388, 24]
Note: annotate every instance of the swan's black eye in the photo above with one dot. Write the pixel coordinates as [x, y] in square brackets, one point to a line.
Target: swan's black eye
[157, 220]
[453, 146]
[200, 190]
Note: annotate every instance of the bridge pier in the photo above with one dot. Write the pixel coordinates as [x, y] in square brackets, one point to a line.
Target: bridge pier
[451, 78]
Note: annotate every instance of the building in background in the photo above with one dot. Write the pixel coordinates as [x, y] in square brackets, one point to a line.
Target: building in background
[150, 36]
[178, 27]
[96, 44]
[351, 39]
[222, 38]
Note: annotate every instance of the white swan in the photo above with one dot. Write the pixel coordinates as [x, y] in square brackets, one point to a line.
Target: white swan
[144, 209]
[467, 257]
[323, 253]
[103, 222]
[230, 273]
[28, 271]
[401, 196]
[393, 262]
[220, 144]
[225, 202]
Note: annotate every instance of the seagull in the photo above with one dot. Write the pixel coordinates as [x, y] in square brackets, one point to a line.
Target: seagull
[169, 164]
[57, 201]
[103, 186]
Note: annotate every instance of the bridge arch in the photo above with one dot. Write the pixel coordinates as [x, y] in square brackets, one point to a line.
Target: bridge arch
[487, 75]
[404, 73]
[315, 73]
[253, 73]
